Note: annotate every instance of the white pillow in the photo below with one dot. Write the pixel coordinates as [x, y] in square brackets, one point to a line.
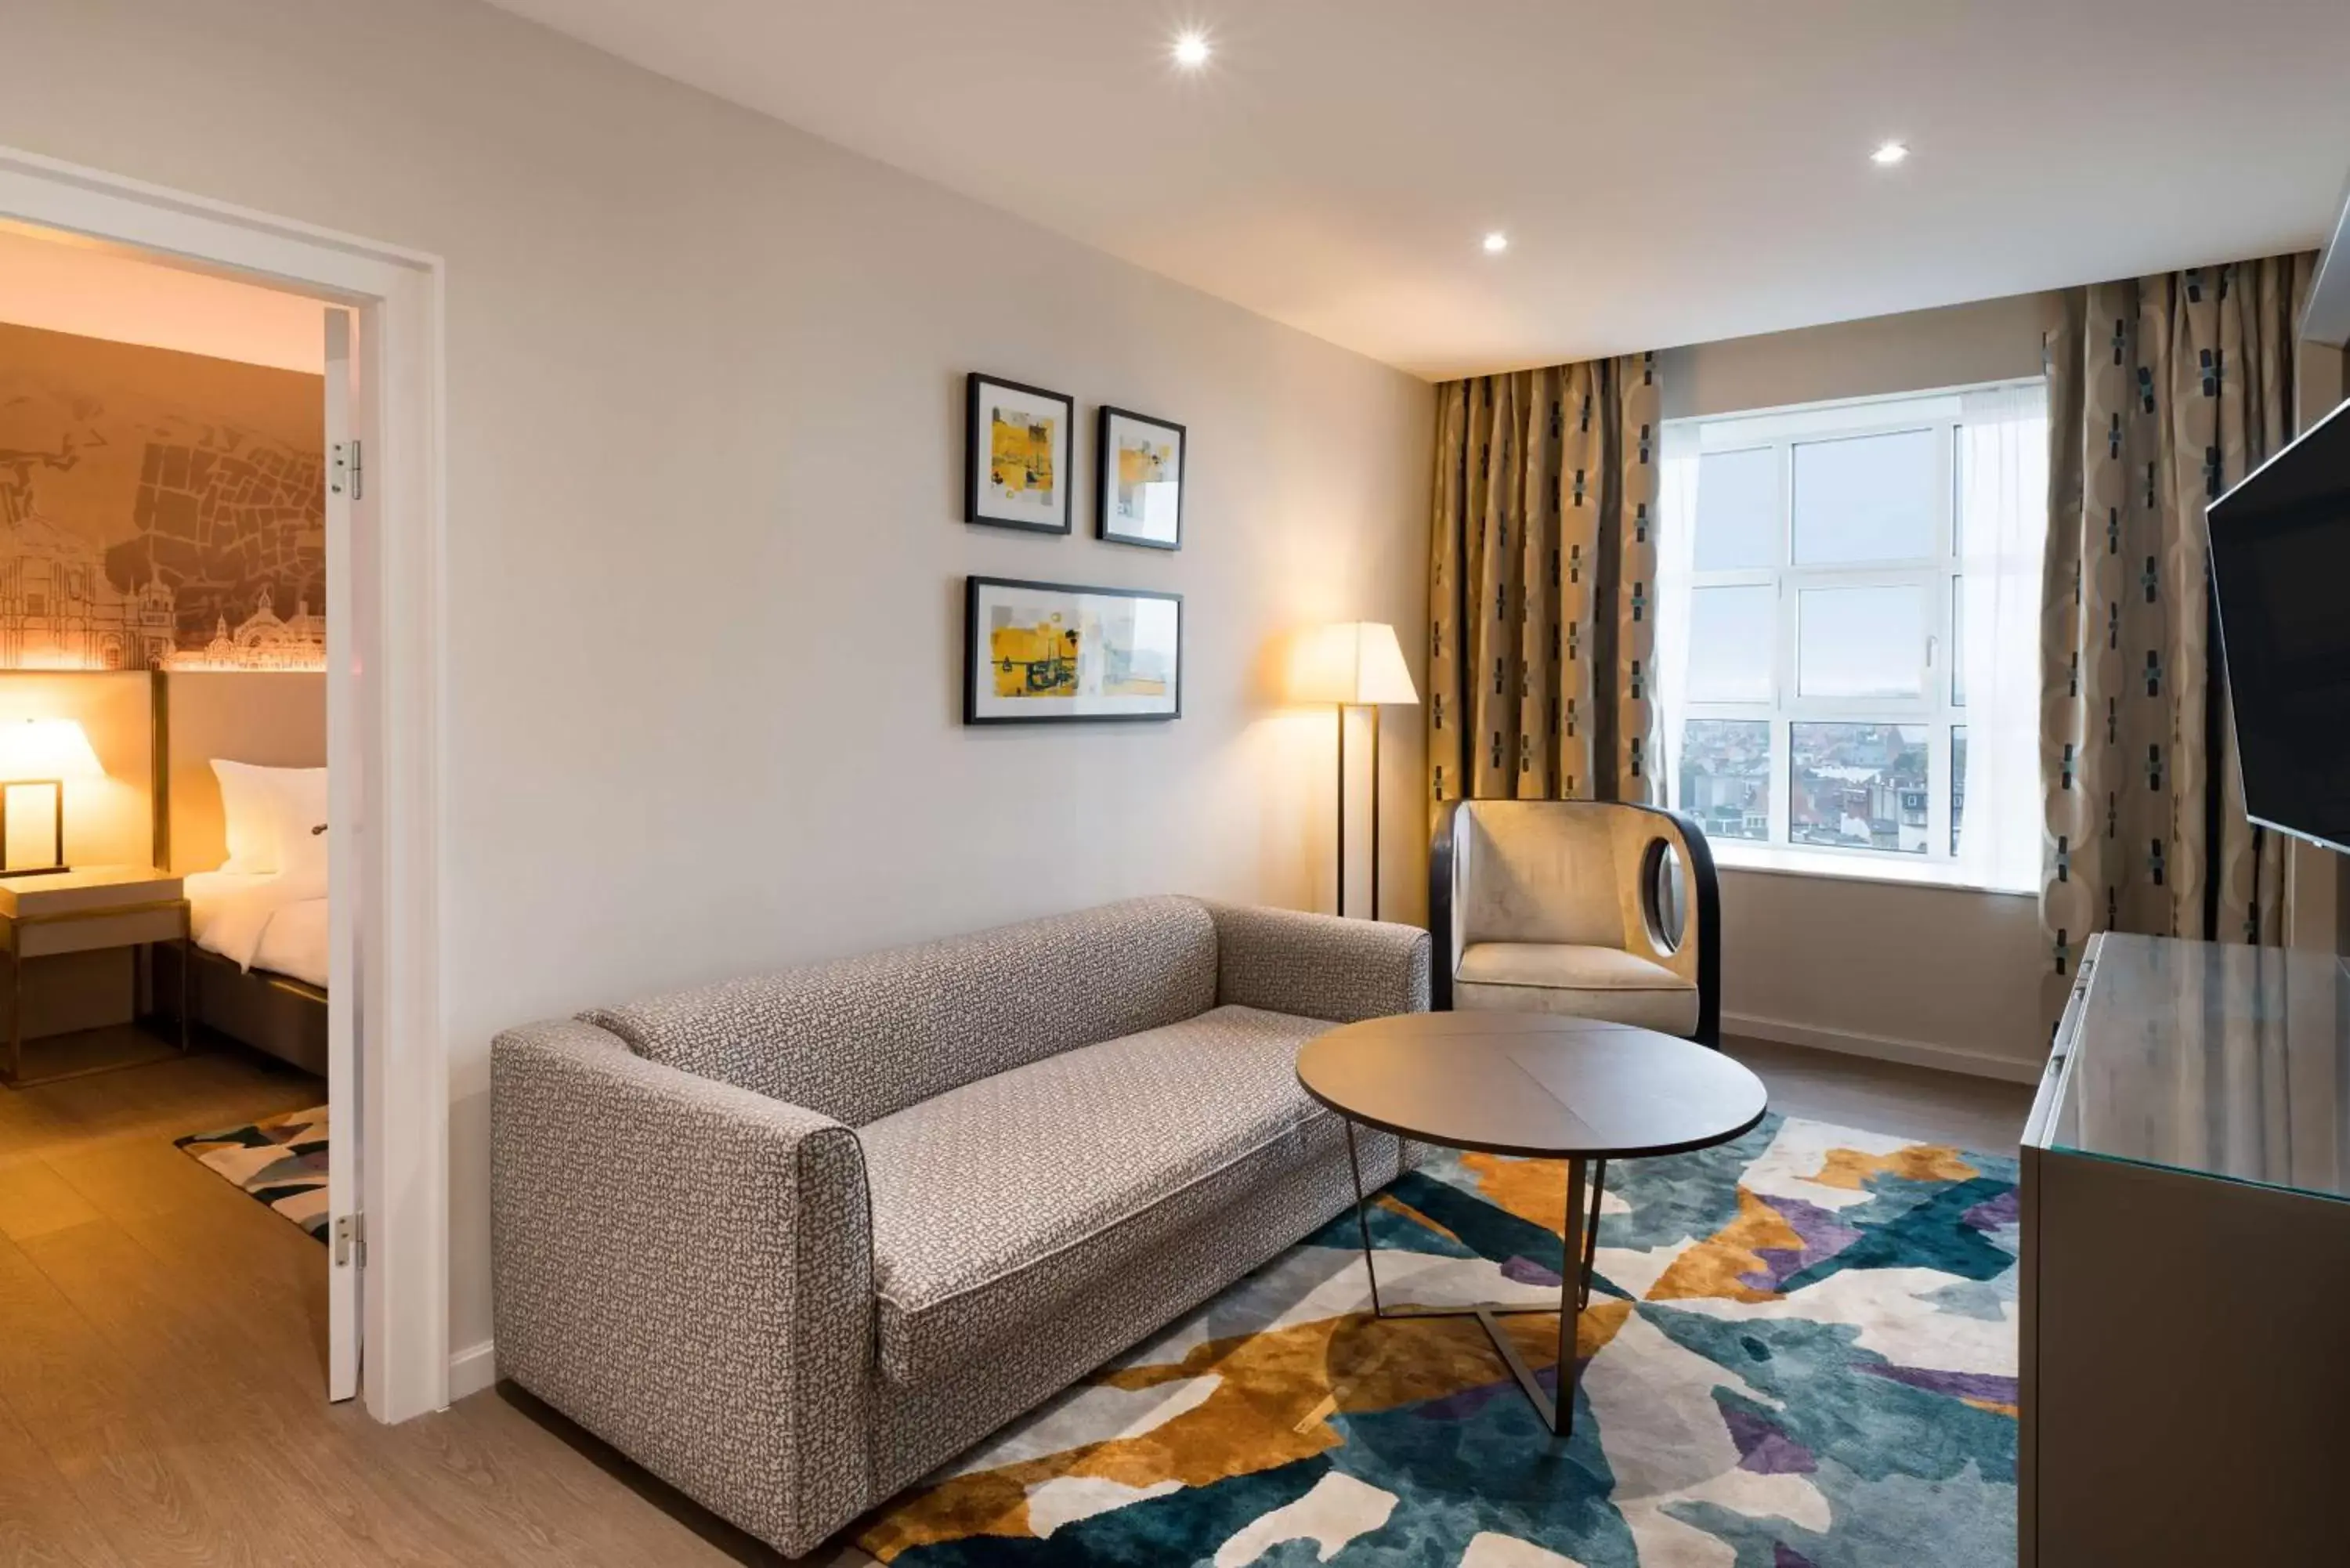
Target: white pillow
[270, 814]
[249, 808]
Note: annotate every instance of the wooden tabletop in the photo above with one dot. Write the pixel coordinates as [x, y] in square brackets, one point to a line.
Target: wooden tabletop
[1529, 1084]
[38, 894]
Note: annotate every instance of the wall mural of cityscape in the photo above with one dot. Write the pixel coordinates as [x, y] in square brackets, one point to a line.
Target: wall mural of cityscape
[158, 509]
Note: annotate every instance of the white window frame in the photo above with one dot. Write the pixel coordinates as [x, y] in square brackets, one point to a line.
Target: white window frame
[1937, 575]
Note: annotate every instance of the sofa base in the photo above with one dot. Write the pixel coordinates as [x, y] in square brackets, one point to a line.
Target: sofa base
[917, 1430]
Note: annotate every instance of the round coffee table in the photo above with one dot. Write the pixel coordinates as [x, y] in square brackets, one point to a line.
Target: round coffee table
[1575, 1089]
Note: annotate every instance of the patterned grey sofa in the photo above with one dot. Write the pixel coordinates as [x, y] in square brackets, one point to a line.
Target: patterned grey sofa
[791, 1241]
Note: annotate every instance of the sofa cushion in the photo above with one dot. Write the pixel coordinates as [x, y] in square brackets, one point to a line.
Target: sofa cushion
[995, 1201]
[1574, 981]
[861, 1038]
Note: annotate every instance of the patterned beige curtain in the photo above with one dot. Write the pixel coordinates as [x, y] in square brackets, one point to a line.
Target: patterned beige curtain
[2162, 392]
[1542, 585]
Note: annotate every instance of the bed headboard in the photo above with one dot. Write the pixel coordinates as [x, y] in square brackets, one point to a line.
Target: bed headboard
[278, 719]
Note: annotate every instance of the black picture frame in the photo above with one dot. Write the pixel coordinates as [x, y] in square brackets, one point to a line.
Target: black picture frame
[978, 449]
[975, 666]
[1106, 478]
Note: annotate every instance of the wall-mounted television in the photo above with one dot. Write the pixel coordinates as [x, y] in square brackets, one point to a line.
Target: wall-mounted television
[2281, 580]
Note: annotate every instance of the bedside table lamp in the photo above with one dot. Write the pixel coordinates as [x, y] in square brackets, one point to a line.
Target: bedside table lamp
[1354, 664]
[37, 756]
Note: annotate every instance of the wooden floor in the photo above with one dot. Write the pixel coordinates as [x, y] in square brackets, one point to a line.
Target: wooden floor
[1980, 1114]
[163, 1397]
[162, 1341]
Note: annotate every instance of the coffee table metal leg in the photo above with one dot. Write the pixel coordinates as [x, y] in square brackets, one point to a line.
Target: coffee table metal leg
[1579, 1243]
[1571, 1297]
[1362, 1218]
[1591, 1231]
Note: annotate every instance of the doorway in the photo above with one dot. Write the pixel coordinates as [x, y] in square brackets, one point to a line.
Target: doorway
[378, 313]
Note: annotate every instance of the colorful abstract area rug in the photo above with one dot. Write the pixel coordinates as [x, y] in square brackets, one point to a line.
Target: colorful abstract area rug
[281, 1161]
[1800, 1349]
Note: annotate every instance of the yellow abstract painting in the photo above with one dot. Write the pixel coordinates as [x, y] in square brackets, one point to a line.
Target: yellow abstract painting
[1035, 660]
[1140, 480]
[1141, 464]
[1019, 447]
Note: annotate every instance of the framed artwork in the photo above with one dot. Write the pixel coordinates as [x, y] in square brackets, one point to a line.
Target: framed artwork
[1017, 450]
[1140, 471]
[1039, 652]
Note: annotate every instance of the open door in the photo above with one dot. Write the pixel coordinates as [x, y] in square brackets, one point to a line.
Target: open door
[346, 1241]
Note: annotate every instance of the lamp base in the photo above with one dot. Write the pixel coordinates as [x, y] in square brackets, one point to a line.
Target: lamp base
[34, 840]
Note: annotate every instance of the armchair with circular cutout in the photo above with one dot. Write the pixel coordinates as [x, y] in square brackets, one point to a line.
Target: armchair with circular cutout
[1589, 909]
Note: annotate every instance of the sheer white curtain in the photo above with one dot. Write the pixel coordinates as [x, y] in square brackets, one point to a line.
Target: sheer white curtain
[1676, 559]
[2003, 455]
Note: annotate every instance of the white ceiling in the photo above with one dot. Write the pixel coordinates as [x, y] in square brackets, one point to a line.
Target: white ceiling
[1668, 170]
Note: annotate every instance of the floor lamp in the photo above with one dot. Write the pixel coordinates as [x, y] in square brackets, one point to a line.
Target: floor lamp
[1357, 664]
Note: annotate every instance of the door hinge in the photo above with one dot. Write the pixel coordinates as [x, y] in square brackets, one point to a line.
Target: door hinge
[350, 1240]
[350, 477]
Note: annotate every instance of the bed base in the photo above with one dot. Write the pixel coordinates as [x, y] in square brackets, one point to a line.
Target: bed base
[268, 1010]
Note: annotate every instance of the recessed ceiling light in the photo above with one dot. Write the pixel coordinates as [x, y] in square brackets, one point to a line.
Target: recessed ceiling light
[1192, 50]
[1888, 153]
[1496, 242]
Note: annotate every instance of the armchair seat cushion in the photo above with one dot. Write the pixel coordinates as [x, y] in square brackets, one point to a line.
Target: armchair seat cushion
[1000, 1203]
[1576, 981]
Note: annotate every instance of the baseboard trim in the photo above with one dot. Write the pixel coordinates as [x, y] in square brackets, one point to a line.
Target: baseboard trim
[472, 1369]
[1911, 1052]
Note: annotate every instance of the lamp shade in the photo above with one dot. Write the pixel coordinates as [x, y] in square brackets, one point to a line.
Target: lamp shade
[34, 749]
[1357, 661]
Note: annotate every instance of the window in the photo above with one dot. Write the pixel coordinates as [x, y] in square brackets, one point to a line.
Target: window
[1820, 568]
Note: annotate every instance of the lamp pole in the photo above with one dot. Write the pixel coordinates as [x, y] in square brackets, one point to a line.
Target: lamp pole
[1349, 665]
[1377, 713]
[1341, 855]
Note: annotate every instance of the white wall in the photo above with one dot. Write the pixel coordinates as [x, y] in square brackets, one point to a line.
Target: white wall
[1941, 976]
[704, 554]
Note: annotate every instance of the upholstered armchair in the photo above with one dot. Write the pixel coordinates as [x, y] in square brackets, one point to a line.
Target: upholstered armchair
[1576, 906]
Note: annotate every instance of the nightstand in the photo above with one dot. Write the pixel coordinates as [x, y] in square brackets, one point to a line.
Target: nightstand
[85, 911]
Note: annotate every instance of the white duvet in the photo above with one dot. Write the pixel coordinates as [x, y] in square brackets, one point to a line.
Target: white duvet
[261, 920]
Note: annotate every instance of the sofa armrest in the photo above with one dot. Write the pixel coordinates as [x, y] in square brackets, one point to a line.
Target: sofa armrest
[1318, 966]
[685, 1268]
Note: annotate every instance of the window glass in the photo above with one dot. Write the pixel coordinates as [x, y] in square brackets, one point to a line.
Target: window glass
[1725, 780]
[1738, 510]
[1733, 634]
[1857, 787]
[1864, 498]
[1867, 641]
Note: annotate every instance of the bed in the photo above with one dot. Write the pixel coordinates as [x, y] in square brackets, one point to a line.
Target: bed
[258, 963]
[255, 920]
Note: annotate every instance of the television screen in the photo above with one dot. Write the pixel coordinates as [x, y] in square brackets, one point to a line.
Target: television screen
[2280, 578]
